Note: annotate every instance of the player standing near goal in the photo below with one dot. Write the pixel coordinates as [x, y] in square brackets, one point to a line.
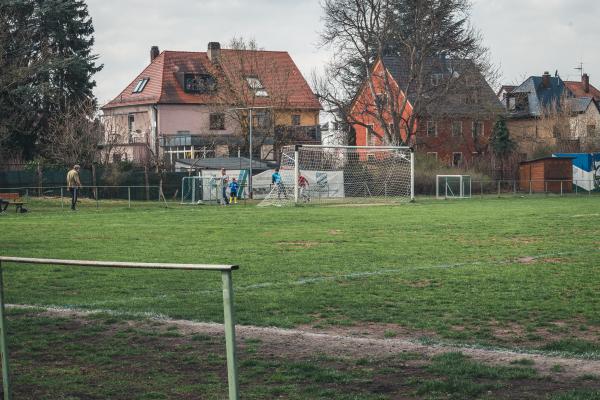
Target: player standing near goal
[224, 179]
[233, 189]
[74, 184]
[276, 180]
[303, 186]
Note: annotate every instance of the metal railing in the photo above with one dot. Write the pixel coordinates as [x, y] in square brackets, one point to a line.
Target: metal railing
[228, 308]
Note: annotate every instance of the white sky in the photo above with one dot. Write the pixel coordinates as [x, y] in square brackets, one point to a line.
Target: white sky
[526, 37]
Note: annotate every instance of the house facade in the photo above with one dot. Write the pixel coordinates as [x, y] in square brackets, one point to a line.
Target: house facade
[455, 128]
[546, 113]
[187, 105]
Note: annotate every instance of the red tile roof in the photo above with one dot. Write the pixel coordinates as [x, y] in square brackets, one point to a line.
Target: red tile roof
[276, 70]
[578, 90]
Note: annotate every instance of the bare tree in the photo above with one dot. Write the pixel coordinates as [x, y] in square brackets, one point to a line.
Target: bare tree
[254, 80]
[74, 137]
[435, 48]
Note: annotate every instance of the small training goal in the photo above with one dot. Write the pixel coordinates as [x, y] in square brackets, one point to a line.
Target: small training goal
[453, 186]
[319, 174]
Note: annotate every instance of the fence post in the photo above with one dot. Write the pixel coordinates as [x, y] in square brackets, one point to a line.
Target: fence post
[561, 188]
[546, 187]
[97, 204]
[4, 344]
[499, 182]
[128, 196]
[514, 187]
[62, 202]
[530, 188]
[229, 321]
[481, 187]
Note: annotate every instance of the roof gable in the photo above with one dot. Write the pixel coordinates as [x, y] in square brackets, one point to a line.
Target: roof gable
[578, 90]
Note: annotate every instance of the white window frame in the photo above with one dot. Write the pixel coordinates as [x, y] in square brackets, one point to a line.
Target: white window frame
[256, 86]
[481, 134]
[141, 85]
[460, 132]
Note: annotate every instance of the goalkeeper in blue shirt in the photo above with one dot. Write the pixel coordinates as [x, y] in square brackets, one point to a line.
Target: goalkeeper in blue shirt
[276, 180]
[233, 191]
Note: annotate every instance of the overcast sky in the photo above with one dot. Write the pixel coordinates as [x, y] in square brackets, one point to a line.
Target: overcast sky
[526, 37]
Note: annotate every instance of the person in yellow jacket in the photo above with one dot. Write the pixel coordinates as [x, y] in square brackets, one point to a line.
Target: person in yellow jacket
[74, 184]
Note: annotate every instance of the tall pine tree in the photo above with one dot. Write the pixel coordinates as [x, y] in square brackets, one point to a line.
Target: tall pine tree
[54, 41]
[501, 144]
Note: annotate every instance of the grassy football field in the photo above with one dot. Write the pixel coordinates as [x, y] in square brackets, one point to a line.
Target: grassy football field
[518, 274]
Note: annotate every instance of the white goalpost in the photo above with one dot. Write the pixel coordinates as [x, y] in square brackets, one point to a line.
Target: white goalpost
[320, 174]
[453, 186]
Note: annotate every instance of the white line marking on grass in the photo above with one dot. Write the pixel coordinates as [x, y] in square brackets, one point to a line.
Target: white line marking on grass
[366, 274]
[300, 340]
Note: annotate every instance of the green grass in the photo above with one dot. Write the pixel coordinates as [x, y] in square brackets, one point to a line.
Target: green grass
[461, 271]
[106, 357]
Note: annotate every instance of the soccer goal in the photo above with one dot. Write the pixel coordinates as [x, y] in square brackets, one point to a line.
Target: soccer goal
[320, 174]
[200, 190]
[453, 186]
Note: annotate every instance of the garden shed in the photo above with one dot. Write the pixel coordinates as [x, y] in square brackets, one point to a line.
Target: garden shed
[548, 174]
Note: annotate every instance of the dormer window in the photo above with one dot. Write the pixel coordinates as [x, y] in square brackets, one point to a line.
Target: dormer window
[257, 87]
[198, 83]
[139, 88]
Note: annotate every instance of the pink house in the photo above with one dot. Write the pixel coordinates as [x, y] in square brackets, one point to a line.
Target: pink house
[187, 105]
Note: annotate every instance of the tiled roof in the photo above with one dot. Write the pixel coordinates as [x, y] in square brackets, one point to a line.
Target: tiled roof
[578, 89]
[276, 70]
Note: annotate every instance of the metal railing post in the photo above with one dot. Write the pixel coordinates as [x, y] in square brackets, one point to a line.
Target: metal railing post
[499, 182]
[96, 192]
[4, 344]
[229, 322]
[561, 188]
[62, 200]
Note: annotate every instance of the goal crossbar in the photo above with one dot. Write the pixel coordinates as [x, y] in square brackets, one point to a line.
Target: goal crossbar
[228, 308]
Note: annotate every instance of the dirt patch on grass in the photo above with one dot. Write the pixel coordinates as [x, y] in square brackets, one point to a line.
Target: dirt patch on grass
[366, 340]
[334, 232]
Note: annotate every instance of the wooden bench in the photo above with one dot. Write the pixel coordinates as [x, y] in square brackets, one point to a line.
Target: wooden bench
[13, 199]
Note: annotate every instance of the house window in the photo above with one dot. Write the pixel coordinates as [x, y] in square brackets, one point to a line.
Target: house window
[257, 87]
[456, 159]
[432, 154]
[139, 88]
[381, 99]
[591, 129]
[198, 83]
[131, 122]
[370, 136]
[477, 129]
[457, 128]
[436, 79]
[174, 153]
[217, 121]
[432, 128]
[472, 98]
[262, 119]
[296, 119]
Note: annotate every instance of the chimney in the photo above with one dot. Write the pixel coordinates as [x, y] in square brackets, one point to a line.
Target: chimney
[546, 80]
[154, 52]
[214, 51]
[585, 79]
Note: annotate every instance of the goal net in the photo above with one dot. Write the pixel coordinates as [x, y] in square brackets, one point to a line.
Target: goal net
[200, 190]
[453, 186]
[343, 174]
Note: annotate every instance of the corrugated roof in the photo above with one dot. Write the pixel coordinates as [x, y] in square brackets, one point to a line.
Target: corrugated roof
[232, 163]
[579, 105]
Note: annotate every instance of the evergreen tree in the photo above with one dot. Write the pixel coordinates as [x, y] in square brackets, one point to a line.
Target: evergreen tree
[501, 144]
[52, 41]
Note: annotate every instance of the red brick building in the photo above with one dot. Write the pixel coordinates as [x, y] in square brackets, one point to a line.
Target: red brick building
[455, 128]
